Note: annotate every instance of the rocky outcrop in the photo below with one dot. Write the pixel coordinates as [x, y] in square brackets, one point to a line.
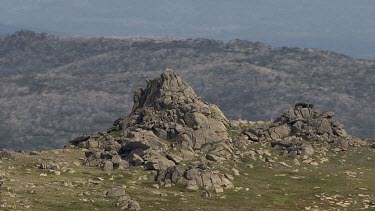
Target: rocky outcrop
[185, 140]
[169, 124]
[168, 114]
[302, 121]
[170, 108]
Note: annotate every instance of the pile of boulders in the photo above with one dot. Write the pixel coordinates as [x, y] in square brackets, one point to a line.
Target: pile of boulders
[107, 160]
[293, 147]
[170, 110]
[169, 124]
[101, 140]
[123, 200]
[194, 178]
[167, 110]
[305, 122]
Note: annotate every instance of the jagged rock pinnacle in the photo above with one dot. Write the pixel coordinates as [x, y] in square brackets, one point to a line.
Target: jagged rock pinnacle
[166, 90]
[169, 100]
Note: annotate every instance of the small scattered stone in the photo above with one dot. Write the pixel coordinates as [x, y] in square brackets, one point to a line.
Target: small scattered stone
[192, 185]
[34, 153]
[296, 162]
[115, 192]
[206, 194]
[108, 166]
[250, 166]
[218, 190]
[235, 172]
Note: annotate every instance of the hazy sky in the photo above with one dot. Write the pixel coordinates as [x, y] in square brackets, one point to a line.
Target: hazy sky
[346, 26]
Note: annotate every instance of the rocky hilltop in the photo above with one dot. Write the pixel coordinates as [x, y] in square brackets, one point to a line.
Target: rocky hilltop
[54, 88]
[170, 127]
[175, 151]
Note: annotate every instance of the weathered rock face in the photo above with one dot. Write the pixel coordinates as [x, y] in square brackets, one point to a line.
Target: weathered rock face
[306, 122]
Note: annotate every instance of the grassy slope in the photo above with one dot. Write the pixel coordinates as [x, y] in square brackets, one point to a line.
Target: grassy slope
[275, 187]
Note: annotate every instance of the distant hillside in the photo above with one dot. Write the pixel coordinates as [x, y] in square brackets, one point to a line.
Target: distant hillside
[6, 29]
[53, 88]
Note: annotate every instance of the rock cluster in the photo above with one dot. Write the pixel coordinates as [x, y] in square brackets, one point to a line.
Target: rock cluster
[194, 178]
[168, 124]
[185, 139]
[123, 200]
[48, 164]
[305, 122]
[208, 179]
[371, 143]
[102, 140]
[293, 147]
[171, 110]
[8, 154]
[107, 160]
[167, 110]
